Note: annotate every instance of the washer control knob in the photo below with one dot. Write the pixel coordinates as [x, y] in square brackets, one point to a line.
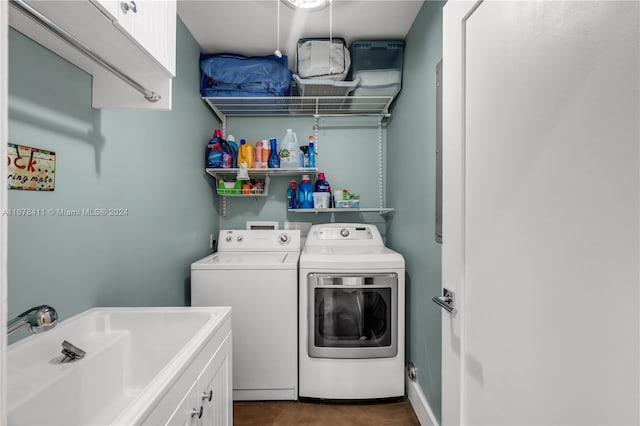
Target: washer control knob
[344, 232]
[284, 238]
[239, 238]
[228, 238]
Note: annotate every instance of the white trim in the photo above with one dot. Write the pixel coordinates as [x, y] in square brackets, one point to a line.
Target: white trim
[420, 404]
[455, 15]
[4, 135]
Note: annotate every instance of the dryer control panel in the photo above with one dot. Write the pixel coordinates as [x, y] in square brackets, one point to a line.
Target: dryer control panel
[336, 234]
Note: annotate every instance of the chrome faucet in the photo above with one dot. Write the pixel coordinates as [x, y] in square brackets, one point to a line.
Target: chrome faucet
[38, 318]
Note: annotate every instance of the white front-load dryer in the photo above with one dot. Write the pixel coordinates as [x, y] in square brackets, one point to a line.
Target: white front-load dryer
[351, 316]
[256, 273]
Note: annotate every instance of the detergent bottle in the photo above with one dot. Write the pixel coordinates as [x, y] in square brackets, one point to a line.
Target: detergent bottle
[305, 193]
[322, 185]
[257, 159]
[214, 151]
[245, 153]
[266, 151]
[234, 148]
[290, 151]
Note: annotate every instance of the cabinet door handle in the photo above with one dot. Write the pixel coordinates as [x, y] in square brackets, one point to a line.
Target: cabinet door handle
[197, 412]
[131, 6]
[207, 395]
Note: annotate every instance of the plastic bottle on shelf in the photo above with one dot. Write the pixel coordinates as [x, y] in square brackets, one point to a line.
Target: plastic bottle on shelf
[322, 185]
[245, 153]
[234, 147]
[266, 151]
[305, 155]
[292, 196]
[257, 160]
[289, 151]
[305, 193]
[227, 154]
[312, 153]
[214, 151]
[274, 158]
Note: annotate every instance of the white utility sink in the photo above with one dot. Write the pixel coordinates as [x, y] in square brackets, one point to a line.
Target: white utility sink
[139, 365]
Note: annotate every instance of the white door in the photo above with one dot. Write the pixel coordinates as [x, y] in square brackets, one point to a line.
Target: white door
[541, 213]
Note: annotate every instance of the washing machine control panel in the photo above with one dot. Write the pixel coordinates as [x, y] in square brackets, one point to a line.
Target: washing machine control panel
[258, 240]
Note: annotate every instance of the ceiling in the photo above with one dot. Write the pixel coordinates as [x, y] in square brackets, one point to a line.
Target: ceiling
[249, 27]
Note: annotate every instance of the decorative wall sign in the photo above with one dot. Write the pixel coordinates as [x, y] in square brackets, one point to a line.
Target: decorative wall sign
[31, 169]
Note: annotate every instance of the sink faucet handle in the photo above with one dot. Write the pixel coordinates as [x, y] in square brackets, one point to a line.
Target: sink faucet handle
[38, 319]
[46, 317]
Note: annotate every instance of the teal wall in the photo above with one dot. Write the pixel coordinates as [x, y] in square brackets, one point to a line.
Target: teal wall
[147, 162]
[411, 190]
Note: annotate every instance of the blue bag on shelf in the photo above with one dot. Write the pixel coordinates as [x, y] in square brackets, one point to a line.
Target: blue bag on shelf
[223, 75]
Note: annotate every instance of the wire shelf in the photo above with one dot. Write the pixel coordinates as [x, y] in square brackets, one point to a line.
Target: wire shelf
[300, 105]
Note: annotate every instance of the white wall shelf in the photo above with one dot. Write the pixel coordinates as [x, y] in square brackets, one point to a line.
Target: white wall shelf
[264, 172]
[381, 211]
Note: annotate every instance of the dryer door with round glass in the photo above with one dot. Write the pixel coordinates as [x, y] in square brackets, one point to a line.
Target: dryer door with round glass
[352, 315]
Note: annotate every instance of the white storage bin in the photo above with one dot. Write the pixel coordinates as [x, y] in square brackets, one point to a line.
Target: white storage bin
[324, 87]
[378, 83]
[378, 64]
[316, 60]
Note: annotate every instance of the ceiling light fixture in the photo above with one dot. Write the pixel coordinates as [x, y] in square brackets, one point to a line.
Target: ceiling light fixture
[306, 4]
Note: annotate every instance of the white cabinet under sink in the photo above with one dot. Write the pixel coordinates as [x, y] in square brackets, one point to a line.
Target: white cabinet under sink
[137, 37]
[208, 402]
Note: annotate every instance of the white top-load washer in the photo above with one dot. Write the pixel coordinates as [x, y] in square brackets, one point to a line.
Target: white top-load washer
[256, 273]
[352, 315]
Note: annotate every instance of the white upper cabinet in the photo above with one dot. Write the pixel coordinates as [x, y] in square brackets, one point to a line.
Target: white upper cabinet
[150, 23]
[136, 37]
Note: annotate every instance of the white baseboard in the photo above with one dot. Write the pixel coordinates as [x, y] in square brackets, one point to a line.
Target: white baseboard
[420, 404]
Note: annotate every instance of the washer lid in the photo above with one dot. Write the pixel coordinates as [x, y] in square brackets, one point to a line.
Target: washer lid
[363, 258]
[247, 261]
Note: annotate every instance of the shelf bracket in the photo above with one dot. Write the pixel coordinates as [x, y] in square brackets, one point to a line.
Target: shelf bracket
[316, 131]
[224, 126]
[380, 165]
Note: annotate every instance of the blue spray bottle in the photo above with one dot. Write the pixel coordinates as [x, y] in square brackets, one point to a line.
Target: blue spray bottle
[292, 196]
